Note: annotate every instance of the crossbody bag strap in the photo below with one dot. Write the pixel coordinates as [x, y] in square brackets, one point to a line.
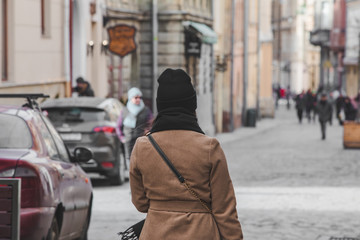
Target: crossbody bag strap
[176, 172]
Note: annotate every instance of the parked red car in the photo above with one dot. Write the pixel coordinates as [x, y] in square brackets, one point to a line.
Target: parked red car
[56, 194]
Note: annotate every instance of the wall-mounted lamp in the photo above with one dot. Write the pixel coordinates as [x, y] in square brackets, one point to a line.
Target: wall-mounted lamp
[90, 48]
[104, 46]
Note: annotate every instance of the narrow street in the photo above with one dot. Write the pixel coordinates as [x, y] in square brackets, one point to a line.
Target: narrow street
[289, 184]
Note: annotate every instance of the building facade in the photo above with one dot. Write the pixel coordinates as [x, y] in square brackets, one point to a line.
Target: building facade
[337, 43]
[223, 56]
[33, 54]
[320, 36]
[295, 59]
[245, 42]
[46, 45]
[265, 55]
[168, 34]
[351, 60]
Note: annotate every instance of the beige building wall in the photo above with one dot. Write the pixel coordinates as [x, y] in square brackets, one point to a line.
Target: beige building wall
[352, 48]
[35, 60]
[352, 81]
[222, 26]
[238, 55]
[297, 66]
[311, 68]
[266, 101]
[253, 54]
[95, 60]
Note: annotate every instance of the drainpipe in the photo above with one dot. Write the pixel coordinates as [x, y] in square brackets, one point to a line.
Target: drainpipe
[155, 52]
[258, 64]
[67, 46]
[232, 66]
[245, 62]
[71, 10]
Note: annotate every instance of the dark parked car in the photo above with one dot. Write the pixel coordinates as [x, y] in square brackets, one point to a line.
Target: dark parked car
[56, 194]
[91, 122]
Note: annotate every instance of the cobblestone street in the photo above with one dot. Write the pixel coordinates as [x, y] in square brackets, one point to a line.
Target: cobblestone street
[292, 185]
[289, 184]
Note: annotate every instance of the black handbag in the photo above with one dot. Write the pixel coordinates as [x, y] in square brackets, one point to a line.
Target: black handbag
[133, 232]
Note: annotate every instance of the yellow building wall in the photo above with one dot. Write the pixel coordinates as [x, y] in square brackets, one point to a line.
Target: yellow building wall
[352, 81]
[267, 108]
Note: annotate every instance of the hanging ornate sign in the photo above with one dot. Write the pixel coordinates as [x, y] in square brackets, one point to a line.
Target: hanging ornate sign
[122, 39]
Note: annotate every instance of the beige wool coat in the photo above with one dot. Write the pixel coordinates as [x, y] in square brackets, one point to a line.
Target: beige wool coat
[172, 212]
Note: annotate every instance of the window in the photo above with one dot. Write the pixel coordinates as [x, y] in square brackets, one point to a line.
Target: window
[46, 136]
[58, 141]
[4, 41]
[14, 132]
[45, 18]
[74, 116]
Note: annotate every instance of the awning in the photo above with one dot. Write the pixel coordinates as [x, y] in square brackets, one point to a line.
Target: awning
[207, 35]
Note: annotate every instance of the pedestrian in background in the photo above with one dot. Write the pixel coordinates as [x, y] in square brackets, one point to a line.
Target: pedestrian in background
[300, 105]
[309, 104]
[83, 88]
[339, 105]
[172, 211]
[357, 100]
[314, 97]
[324, 109]
[134, 121]
[350, 109]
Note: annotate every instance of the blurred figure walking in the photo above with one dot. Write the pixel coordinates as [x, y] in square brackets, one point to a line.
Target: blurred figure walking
[309, 104]
[339, 105]
[300, 105]
[350, 109]
[324, 110]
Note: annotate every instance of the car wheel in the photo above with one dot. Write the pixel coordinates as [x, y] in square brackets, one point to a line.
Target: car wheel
[119, 178]
[54, 230]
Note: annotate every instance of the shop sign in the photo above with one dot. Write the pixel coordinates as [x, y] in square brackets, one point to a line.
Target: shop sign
[122, 39]
[192, 45]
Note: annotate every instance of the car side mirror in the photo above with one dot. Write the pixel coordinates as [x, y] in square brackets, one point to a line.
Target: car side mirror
[82, 154]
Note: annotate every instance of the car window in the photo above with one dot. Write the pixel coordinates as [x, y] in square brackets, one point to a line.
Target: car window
[14, 132]
[49, 141]
[58, 141]
[58, 116]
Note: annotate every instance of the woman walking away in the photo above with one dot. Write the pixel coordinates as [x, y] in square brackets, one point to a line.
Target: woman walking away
[202, 204]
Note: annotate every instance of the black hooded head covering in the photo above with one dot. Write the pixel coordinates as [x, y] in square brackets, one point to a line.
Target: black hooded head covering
[175, 90]
[176, 102]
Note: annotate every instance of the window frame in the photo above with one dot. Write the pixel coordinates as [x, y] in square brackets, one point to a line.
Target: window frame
[45, 18]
